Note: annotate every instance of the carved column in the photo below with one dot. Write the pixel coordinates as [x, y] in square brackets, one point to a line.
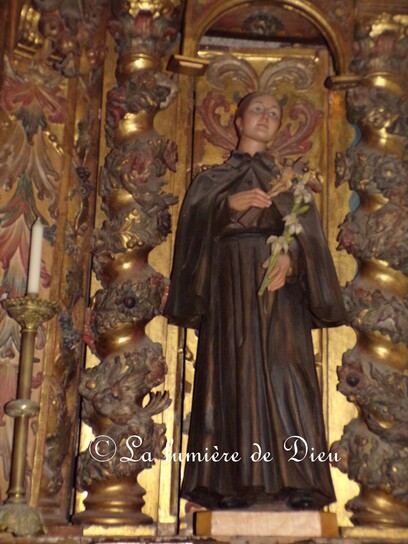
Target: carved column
[114, 392]
[373, 448]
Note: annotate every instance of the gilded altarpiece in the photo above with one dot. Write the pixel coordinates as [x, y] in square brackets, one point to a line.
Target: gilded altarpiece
[64, 77]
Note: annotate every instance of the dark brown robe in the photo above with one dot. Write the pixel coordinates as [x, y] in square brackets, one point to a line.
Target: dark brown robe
[255, 380]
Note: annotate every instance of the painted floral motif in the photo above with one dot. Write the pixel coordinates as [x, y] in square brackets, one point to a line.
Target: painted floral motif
[33, 97]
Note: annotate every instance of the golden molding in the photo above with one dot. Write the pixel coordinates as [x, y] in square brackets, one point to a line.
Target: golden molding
[187, 65]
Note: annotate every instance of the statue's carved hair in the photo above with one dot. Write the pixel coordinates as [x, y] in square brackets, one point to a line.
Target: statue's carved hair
[244, 102]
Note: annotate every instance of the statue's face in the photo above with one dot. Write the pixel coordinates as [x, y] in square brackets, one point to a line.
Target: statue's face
[261, 119]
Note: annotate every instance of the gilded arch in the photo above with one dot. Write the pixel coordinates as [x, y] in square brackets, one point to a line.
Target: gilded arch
[314, 14]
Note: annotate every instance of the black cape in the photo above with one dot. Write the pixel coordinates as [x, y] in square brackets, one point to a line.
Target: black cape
[255, 387]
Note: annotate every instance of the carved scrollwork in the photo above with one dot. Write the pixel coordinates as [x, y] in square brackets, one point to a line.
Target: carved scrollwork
[223, 134]
[219, 129]
[292, 139]
[227, 67]
[296, 140]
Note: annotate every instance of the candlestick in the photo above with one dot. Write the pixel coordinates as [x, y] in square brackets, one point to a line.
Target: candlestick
[16, 516]
[34, 270]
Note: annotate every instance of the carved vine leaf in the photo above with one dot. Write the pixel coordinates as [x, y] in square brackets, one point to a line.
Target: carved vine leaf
[387, 37]
[380, 235]
[377, 109]
[138, 162]
[365, 169]
[380, 394]
[148, 92]
[57, 441]
[130, 302]
[66, 29]
[113, 394]
[144, 227]
[151, 31]
[373, 311]
[372, 462]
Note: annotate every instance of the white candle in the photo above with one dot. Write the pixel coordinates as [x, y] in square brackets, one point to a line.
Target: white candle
[34, 270]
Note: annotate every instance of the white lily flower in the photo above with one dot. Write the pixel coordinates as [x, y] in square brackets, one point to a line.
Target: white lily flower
[292, 224]
[290, 219]
[272, 239]
[301, 193]
[295, 229]
[279, 244]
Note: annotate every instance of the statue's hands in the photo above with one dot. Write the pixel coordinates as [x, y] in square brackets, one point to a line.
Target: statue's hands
[279, 273]
[240, 202]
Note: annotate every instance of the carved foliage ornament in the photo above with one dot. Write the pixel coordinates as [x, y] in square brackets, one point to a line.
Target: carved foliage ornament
[145, 27]
[262, 24]
[372, 462]
[382, 45]
[132, 301]
[223, 69]
[67, 28]
[113, 403]
[380, 234]
[378, 109]
[376, 311]
[148, 92]
[372, 450]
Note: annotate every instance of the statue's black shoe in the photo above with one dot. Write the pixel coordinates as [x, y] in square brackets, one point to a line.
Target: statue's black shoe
[302, 500]
[233, 503]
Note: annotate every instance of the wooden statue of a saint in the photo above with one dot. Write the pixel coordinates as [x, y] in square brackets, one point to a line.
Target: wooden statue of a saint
[256, 409]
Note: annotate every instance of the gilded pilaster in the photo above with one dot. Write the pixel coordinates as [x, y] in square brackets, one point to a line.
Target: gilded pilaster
[49, 106]
[118, 401]
[373, 374]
